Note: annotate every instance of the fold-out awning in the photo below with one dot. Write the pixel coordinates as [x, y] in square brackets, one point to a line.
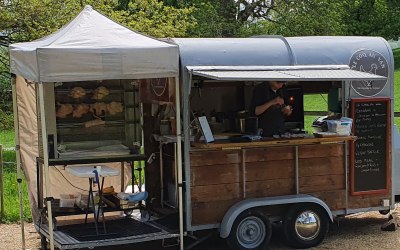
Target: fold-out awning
[283, 73]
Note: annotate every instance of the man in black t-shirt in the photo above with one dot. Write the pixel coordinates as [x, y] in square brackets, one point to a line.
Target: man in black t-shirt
[268, 104]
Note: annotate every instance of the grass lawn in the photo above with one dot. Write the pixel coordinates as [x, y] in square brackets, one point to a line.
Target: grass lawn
[11, 202]
[397, 90]
[317, 102]
[7, 139]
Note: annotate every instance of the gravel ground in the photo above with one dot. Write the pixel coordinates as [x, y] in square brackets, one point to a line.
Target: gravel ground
[10, 236]
[360, 231]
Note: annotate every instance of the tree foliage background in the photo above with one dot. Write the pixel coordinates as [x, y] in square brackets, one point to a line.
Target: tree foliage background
[27, 20]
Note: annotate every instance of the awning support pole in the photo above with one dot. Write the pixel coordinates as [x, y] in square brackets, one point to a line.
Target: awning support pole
[179, 160]
[46, 163]
[18, 160]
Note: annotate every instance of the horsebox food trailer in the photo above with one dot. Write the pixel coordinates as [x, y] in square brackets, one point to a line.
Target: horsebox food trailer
[300, 181]
[238, 185]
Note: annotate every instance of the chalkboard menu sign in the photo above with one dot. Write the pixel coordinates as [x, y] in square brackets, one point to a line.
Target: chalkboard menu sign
[370, 171]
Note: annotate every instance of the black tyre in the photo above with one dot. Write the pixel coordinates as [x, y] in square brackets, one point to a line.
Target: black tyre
[305, 225]
[384, 212]
[251, 230]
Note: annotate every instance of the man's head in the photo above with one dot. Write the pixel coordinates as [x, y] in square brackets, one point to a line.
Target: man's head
[275, 85]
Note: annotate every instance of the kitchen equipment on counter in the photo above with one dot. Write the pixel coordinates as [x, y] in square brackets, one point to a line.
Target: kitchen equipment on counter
[248, 125]
[251, 125]
[226, 124]
[320, 124]
[216, 127]
[240, 121]
[240, 125]
[223, 118]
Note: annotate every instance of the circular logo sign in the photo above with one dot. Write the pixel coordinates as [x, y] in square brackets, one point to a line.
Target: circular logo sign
[158, 85]
[373, 62]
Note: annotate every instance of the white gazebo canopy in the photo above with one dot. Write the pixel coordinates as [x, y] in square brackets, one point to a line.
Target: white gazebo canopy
[93, 47]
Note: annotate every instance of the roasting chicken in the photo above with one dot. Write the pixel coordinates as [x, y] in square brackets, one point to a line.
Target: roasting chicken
[64, 110]
[114, 108]
[80, 110]
[100, 92]
[98, 108]
[77, 92]
[93, 123]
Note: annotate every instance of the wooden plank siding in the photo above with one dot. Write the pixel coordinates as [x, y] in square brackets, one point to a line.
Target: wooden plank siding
[267, 188]
[336, 199]
[321, 150]
[321, 166]
[311, 184]
[205, 158]
[270, 154]
[215, 174]
[362, 201]
[217, 178]
[268, 170]
[210, 212]
[218, 192]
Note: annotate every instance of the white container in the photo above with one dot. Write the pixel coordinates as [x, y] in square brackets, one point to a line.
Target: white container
[81, 200]
[88, 171]
[340, 127]
[67, 200]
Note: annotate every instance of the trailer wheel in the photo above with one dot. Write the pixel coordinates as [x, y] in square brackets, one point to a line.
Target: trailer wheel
[305, 225]
[251, 230]
[384, 212]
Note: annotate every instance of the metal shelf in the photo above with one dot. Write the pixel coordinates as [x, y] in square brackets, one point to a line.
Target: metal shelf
[82, 124]
[87, 91]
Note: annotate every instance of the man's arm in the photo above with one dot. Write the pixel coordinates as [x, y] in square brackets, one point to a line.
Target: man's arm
[263, 107]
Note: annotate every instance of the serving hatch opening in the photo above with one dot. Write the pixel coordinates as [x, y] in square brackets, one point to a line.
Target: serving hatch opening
[234, 85]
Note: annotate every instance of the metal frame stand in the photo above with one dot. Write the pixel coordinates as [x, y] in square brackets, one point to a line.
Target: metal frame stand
[46, 163]
[100, 205]
[179, 160]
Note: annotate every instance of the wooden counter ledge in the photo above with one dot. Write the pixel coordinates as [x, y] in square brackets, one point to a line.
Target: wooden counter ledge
[225, 145]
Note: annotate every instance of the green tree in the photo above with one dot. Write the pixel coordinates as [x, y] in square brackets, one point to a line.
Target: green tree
[321, 17]
[372, 18]
[154, 18]
[213, 18]
[5, 88]
[297, 18]
[27, 20]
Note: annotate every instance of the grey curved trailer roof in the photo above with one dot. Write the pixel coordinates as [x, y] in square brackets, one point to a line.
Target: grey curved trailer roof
[269, 51]
[365, 54]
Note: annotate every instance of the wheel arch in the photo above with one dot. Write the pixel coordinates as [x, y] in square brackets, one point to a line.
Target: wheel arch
[234, 211]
